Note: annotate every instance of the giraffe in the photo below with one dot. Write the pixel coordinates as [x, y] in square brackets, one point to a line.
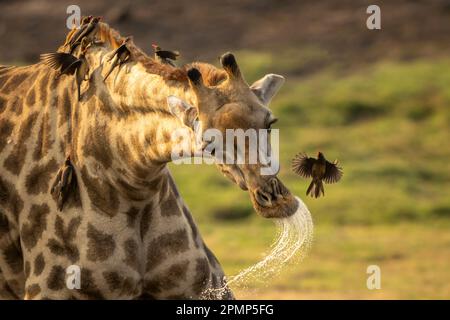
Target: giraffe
[126, 226]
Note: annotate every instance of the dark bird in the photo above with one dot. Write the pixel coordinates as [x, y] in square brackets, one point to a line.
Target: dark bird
[64, 184]
[85, 31]
[68, 64]
[319, 169]
[165, 56]
[119, 56]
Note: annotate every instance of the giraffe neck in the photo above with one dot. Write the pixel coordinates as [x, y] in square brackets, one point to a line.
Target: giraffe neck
[130, 220]
[123, 128]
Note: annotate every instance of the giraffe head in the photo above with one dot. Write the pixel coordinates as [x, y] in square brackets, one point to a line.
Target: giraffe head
[232, 104]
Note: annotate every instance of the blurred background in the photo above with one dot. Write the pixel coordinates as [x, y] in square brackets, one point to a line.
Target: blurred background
[378, 100]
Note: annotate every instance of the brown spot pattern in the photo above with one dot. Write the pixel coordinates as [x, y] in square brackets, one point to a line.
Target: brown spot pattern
[102, 195]
[16, 105]
[97, 145]
[6, 127]
[166, 245]
[169, 207]
[4, 225]
[38, 180]
[14, 82]
[33, 290]
[146, 219]
[30, 98]
[101, 246]
[9, 198]
[202, 275]
[64, 107]
[168, 279]
[88, 286]
[37, 222]
[115, 282]
[131, 254]
[56, 279]
[2, 104]
[16, 159]
[42, 88]
[13, 258]
[132, 215]
[64, 244]
[44, 141]
[39, 264]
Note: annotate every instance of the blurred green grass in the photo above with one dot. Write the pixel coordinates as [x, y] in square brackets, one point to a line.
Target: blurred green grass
[388, 124]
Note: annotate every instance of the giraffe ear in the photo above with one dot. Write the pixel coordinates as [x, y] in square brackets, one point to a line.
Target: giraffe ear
[182, 110]
[267, 87]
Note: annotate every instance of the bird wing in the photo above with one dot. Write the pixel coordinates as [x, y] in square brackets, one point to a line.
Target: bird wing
[58, 60]
[302, 165]
[122, 49]
[72, 67]
[166, 54]
[333, 173]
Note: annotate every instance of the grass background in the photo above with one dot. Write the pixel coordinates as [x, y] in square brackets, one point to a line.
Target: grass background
[388, 124]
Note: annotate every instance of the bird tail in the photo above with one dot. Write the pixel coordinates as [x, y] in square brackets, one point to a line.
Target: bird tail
[109, 72]
[319, 188]
[310, 188]
[315, 189]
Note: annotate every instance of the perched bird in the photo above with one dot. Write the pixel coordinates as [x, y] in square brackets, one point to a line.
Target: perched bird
[319, 169]
[165, 56]
[68, 64]
[65, 183]
[85, 20]
[119, 57]
[76, 31]
[85, 31]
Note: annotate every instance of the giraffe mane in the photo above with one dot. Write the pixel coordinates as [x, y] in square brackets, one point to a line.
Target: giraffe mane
[111, 38]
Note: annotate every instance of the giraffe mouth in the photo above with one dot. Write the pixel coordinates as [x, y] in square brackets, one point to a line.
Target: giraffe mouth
[270, 197]
[273, 200]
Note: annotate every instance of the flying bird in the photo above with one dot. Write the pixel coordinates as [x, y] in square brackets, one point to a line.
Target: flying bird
[319, 170]
[119, 56]
[69, 64]
[64, 183]
[165, 56]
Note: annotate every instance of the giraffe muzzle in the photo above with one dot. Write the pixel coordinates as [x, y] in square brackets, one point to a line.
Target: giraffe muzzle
[273, 200]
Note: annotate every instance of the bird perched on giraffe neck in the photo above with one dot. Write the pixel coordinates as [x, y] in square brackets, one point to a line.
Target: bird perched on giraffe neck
[69, 64]
[119, 56]
[87, 30]
[319, 170]
[65, 183]
[165, 56]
